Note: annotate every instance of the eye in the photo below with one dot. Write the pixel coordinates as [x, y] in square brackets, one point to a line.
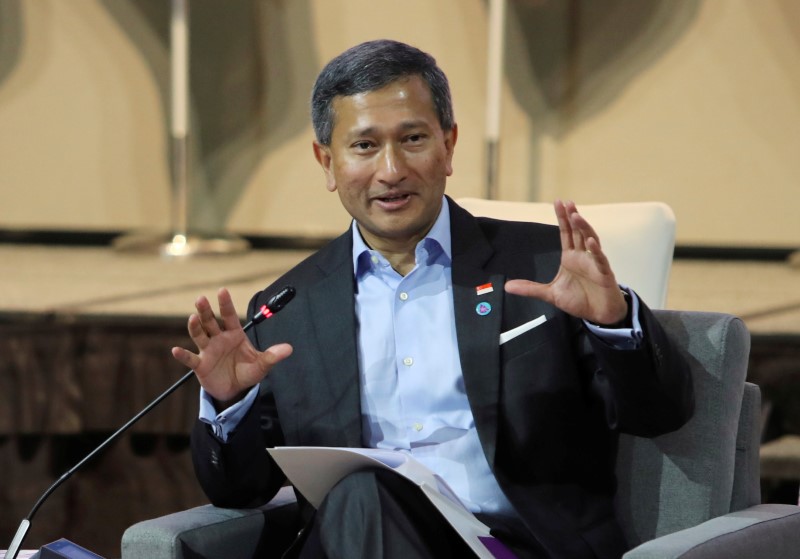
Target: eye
[362, 145]
[415, 138]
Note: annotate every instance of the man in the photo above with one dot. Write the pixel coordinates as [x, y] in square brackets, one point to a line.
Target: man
[394, 341]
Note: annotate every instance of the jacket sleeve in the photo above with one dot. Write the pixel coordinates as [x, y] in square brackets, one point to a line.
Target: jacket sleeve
[240, 472]
[646, 391]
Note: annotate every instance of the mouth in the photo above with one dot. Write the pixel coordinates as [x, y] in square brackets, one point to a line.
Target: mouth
[393, 200]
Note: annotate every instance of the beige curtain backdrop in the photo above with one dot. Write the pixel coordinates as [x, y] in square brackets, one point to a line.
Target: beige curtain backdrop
[693, 102]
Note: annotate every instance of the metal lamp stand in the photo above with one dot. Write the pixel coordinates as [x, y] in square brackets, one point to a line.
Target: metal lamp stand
[494, 81]
[179, 242]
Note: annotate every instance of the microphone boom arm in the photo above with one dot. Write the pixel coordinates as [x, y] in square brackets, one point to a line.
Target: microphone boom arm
[273, 305]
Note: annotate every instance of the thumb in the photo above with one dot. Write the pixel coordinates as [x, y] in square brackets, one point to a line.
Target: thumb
[273, 355]
[527, 288]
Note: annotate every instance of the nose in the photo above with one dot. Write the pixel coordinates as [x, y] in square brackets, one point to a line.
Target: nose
[391, 166]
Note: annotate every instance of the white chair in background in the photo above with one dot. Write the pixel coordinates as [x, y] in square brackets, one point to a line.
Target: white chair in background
[637, 237]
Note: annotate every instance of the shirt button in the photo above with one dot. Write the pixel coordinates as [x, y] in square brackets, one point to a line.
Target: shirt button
[408, 361]
[418, 427]
[403, 296]
[374, 259]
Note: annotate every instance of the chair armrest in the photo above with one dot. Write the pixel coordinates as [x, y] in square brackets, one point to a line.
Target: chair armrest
[761, 531]
[208, 532]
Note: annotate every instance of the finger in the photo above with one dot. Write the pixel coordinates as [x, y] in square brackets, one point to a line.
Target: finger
[274, 355]
[207, 318]
[578, 241]
[527, 288]
[197, 333]
[564, 228]
[230, 320]
[600, 258]
[585, 228]
[186, 357]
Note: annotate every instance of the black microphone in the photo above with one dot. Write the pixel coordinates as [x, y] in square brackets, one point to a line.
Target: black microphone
[273, 305]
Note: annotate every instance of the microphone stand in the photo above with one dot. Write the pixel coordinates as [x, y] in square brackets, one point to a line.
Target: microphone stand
[275, 303]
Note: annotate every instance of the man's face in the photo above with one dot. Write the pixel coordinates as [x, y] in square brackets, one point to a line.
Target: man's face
[389, 160]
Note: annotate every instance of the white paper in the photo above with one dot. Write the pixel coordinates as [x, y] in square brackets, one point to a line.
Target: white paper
[315, 470]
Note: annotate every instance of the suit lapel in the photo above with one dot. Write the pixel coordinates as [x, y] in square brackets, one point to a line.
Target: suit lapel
[478, 331]
[334, 325]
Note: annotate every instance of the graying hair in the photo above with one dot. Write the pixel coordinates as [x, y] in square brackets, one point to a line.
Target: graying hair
[371, 66]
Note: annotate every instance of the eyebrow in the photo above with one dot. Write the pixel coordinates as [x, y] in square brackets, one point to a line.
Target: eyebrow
[405, 125]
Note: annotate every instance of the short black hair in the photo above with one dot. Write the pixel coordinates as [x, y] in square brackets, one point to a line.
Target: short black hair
[371, 66]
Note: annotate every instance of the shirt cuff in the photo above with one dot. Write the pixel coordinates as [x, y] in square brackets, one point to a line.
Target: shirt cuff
[622, 338]
[222, 424]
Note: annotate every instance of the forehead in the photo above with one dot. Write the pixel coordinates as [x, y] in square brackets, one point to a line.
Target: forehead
[406, 99]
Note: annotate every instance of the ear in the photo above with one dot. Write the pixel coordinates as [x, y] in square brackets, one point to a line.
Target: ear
[450, 138]
[325, 159]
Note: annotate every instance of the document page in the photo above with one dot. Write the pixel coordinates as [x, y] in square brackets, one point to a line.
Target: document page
[315, 470]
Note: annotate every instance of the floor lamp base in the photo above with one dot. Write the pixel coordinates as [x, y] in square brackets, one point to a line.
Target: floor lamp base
[180, 245]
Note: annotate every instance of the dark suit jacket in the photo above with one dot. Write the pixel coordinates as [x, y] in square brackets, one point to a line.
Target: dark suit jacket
[548, 404]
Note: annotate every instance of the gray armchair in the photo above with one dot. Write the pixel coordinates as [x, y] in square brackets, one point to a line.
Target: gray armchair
[694, 493]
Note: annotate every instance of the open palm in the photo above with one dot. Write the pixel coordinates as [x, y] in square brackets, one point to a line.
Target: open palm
[585, 285]
[227, 364]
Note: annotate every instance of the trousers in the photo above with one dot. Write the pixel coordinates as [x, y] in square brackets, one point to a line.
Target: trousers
[376, 514]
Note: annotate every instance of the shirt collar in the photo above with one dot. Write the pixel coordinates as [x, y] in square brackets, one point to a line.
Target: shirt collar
[439, 234]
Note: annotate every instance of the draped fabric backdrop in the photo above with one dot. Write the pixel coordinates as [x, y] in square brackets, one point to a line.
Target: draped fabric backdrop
[65, 387]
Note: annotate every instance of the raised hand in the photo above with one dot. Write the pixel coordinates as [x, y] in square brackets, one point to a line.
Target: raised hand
[585, 285]
[227, 364]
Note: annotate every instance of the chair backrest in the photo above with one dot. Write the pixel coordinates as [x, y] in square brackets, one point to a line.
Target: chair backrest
[637, 237]
[709, 467]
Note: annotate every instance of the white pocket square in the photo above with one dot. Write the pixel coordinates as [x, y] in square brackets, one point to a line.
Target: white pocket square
[521, 329]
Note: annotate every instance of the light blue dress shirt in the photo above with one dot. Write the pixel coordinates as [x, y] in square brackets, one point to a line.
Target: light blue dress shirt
[413, 397]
